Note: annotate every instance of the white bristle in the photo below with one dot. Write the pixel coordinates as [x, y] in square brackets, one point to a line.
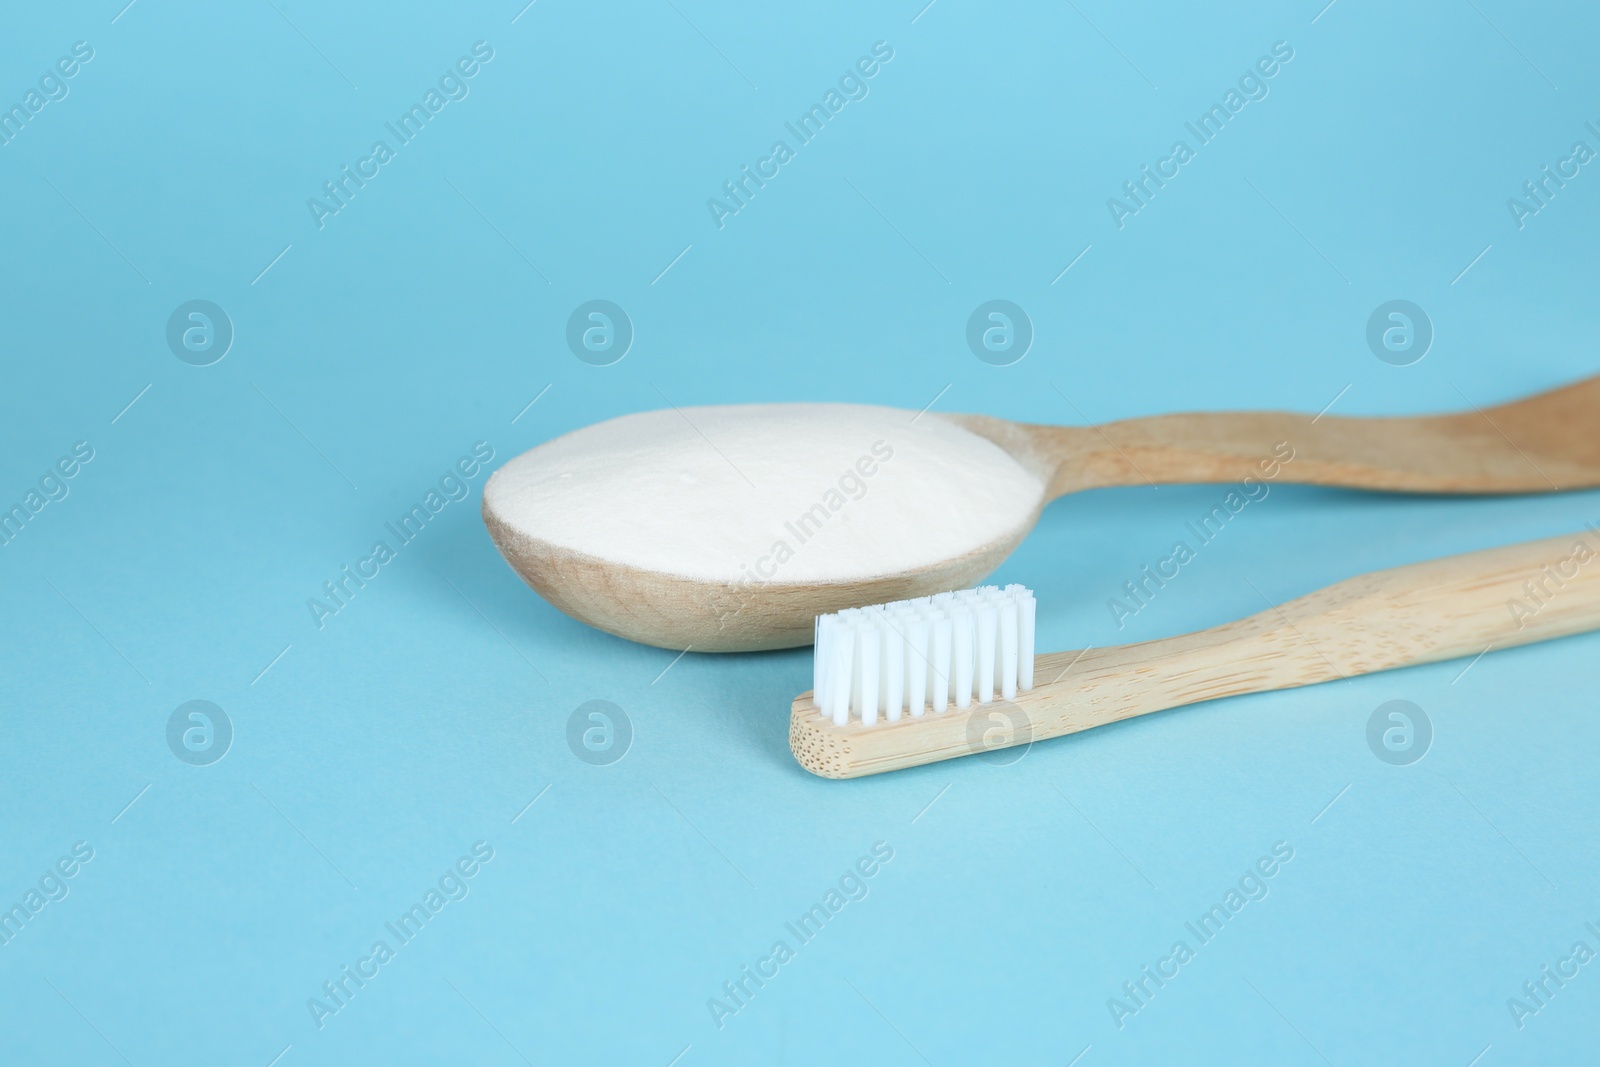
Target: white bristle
[819, 642]
[1008, 650]
[867, 650]
[1026, 606]
[876, 663]
[844, 647]
[1002, 606]
[939, 666]
[916, 664]
[894, 667]
[961, 652]
[988, 623]
[823, 662]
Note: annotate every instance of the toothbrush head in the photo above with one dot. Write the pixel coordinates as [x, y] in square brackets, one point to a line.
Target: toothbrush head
[915, 657]
[926, 662]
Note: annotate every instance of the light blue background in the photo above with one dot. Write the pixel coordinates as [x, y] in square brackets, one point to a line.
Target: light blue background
[423, 717]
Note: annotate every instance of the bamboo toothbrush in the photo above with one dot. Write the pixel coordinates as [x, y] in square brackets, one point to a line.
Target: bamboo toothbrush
[933, 678]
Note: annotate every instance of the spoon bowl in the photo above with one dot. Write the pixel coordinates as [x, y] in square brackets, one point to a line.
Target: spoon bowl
[730, 528]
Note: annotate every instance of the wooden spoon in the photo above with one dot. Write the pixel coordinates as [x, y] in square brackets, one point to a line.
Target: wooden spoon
[625, 525]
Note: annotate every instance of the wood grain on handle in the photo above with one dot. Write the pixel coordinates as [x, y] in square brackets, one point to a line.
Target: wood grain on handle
[1537, 444]
[1441, 609]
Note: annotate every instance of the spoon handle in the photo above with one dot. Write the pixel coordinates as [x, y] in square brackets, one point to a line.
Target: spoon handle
[1440, 609]
[1538, 444]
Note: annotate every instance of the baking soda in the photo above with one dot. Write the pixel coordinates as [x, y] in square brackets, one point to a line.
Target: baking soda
[787, 493]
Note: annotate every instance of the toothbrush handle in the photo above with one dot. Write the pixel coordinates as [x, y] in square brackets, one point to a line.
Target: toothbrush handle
[1441, 609]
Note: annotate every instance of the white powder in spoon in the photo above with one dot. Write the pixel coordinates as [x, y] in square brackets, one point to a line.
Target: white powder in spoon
[790, 493]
